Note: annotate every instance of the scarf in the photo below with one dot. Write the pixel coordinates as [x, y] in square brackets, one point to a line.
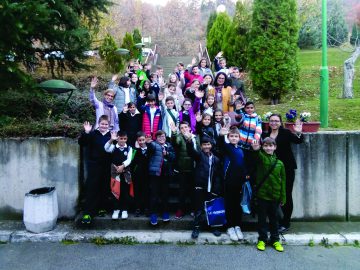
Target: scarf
[110, 112]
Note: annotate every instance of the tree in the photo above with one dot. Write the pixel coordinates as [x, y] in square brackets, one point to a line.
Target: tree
[273, 48]
[34, 28]
[114, 62]
[137, 39]
[337, 28]
[355, 35]
[210, 23]
[237, 37]
[128, 43]
[216, 39]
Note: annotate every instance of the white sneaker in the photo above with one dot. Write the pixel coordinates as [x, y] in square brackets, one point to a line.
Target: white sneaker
[239, 233]
[115, 214]
[124, 215]
[232, 234]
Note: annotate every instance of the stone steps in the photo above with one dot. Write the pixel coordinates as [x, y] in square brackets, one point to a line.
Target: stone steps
[169, 62]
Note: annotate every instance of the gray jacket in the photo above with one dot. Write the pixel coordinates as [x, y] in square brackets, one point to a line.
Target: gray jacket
[119, 99]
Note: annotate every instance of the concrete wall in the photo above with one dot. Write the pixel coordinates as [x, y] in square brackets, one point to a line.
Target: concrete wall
[327, 183]
[38, 162]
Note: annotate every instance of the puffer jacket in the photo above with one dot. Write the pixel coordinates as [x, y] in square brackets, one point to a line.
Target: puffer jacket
[158, 163]
[184, 162]
[119, 99]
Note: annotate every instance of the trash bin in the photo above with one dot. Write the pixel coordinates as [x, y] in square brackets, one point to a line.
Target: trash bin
[41, 209]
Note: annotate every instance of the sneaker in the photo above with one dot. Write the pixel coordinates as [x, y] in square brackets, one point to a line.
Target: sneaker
[166, 217]
[124, 214]
[137, 212]
[216, 232]
[179, 214]
[102, 213]
[86, 219]
[283, 229]
[195, 233]
[239, 233]
[261, 245]
[278, 247]
[153, 219]
[232, 234]
[115, 214]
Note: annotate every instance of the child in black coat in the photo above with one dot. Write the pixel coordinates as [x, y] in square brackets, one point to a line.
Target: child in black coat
[130, 121]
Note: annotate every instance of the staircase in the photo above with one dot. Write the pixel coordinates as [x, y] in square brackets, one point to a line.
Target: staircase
[169, 62]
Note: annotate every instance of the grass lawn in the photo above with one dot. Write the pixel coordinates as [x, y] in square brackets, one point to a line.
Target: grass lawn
[343, 113]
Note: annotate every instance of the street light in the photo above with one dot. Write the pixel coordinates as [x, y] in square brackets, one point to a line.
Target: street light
[324, 72]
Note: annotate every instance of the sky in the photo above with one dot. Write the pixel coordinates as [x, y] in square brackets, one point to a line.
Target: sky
[156, 2]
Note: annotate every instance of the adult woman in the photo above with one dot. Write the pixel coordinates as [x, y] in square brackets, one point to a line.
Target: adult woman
[104, 107]
[284, 138]
[222, 92]
[123, 92]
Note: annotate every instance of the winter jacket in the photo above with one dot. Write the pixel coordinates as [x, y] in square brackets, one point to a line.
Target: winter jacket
[95, 141]
[131, 124]
[192, 111]
[146, 119]
[250, 129]
[274, 187]
[203, 169]
[119, 99]
[204, 131]
[184, 162]
[167, 119]
[189, 77]
[158, 163]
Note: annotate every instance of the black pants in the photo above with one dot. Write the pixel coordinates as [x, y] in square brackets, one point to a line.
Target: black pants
[97, 187]
[200, 196]
[186, 187]
[268, 209]
[288, 207]
[123, 203]
[159, 194]
[232, 205]
[141, 191]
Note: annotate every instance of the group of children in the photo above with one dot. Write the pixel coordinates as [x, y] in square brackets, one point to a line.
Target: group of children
[172, 132]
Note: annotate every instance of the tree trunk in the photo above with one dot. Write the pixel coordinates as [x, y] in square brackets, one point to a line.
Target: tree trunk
[349, 72]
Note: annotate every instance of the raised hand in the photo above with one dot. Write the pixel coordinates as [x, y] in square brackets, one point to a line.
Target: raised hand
[233, 91]
[199, 94]
[114, 77]
[94, 82]
[193, 61]
[206, 105]
[148, 139]
[219, 54]
[114, 135]
[173, 127]
[198, 117]
[161, 96]
[224, 131]
[87, 127]
[142, 94]
[298, 126]
[125, 109]
[255, 145]
[227, 121]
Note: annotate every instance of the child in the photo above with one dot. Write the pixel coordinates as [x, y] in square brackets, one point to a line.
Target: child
[104, 107]
[234, 177]
[271, 194]
[121, 155]
[184, 164]
[189, 111]
[168, 114]
[204, 127]
[154, 85]
[161, 155]
[208, 184]
[151, 115]
[176, 93]
[130, 121]
[220, 63]
[250, 128]
[218, 121]
[98, 168]
[140, 166]
[209, 106]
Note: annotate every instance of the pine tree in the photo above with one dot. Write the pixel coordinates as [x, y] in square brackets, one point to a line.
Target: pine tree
[114, 62]
[355, 35]
[237, 37]
[273, 48]
[336, 25]
[216, 40]
[137, 39]
[128, 43]
[210, 23]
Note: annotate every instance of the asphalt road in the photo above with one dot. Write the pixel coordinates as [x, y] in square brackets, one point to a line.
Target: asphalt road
[54, 256]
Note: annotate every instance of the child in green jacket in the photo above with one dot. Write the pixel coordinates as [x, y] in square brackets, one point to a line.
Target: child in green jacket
[271, 194]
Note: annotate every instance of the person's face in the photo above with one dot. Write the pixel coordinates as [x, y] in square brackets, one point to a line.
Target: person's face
[187, 105]
[238, 106]
[134, 78]
[180, 67]
[184, 129]
[128, 83]
[203, 63]
[206, 121]
[109, 97]
[160, 72]
[206, 147]
[210, 100]
[173, 78]
[269, 148]
[249, 109]
[234, 138]
[274, 122]
[103, 126]
[172, 89]
[221, 79]
[236, 73]
[195, 70]
[161, 139]
[170, 104]
[207, 80]
[195, 85]
[218, 116]
[122, 140]
[152, 103]
[141, 141]
[146, 85]
[136, 67]
[222, 63]
[132, 109]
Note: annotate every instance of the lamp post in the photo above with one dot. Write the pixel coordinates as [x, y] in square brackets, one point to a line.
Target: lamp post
[324, 72]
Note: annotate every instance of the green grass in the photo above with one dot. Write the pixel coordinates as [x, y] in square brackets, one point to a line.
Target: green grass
[343, 113]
